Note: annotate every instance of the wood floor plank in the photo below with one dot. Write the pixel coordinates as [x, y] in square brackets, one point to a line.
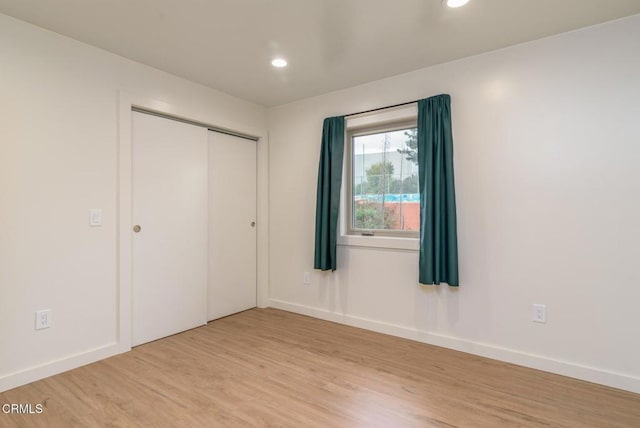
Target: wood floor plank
[266, 367]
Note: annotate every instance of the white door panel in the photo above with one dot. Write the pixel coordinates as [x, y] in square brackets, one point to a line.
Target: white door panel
[232, 209]
[170, 203]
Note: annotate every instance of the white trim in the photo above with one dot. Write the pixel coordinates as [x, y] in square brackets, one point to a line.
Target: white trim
[208, 126]
[539, 362]
[401, 117]
[382, 116]
[262, 221]
[23, 377]
[124, 222]
[389, 242]
[126, 103]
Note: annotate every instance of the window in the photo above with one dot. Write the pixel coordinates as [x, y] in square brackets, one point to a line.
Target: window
[384, 198]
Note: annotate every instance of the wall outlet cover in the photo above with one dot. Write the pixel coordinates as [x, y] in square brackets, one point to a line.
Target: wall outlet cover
[539, 313]
[43, 319]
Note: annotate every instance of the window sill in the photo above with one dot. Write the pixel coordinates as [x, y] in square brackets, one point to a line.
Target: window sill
[388, 242]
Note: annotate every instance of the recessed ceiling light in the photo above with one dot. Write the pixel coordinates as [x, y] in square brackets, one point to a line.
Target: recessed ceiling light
[279, 62]
[455, 3]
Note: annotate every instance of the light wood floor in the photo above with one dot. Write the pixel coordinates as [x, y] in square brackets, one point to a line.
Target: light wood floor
[266, 367]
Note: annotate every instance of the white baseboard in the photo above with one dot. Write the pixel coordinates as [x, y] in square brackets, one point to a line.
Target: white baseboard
[23, 377]
[565, 368]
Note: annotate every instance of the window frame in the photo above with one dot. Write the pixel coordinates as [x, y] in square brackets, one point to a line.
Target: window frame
[376, 127]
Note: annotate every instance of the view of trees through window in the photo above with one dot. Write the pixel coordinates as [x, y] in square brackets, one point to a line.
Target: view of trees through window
[385, 181]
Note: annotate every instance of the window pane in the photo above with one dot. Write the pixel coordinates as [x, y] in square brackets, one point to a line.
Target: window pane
[385, 181]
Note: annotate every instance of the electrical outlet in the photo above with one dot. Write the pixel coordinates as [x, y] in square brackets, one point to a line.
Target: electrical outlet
[539, 313]
[95, 217]
[43, 319]
[307, 278]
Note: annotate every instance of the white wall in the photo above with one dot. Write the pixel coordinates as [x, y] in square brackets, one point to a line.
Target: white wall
[546, 159]
[547, 155]
[58, 159]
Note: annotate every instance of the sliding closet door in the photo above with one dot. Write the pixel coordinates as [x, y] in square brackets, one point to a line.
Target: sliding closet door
[170, 204]
[232, 227]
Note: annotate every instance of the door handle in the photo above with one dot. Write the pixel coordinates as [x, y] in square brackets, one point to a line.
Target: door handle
[253, 224]
[137, 228]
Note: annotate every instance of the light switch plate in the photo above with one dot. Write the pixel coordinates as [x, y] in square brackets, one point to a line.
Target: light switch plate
[95, 217]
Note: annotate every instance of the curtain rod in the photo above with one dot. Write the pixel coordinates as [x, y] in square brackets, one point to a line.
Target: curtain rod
[381, 108]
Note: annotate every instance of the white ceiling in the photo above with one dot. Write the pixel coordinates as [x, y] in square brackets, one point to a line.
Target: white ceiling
[330, 44]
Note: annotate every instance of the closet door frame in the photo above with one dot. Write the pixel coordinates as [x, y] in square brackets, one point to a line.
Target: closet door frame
[126, 104]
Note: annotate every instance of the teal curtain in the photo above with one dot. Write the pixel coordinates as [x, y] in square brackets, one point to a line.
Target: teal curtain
[438, 235]
[328, 194]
